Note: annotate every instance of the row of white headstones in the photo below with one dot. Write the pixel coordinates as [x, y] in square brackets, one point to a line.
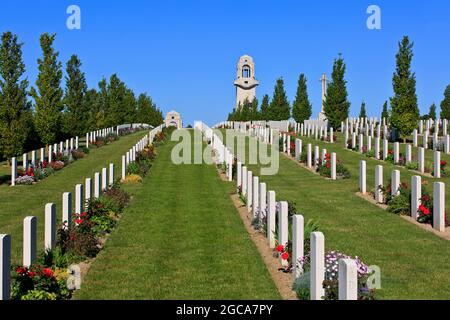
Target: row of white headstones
[262, 203]
[416, 193]
[67, 147]
[408, 152]
[366, 124]
[83, 193]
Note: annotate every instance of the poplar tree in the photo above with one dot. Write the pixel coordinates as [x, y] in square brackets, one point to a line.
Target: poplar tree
[337, 106]
[445, 104]
[405, 112]
[385, 112]
[362, 112]
[76, 109]
[264, 113]
[301, 108]
[48, 95]
[279, 108]
[15, 111]
[432, 112]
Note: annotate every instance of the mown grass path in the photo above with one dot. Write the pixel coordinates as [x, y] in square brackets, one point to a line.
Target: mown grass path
[21, 201]
[414, 263]
[180, 238]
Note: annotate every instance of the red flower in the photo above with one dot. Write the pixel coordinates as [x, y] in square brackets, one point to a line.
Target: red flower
[31, 274]
[83, 214]
[426, 198]
[443, 163]
[280, 248]
[424, 210]
[285, 256]
[328, 165]
[78, 221]
[21, 270]
[48, 272]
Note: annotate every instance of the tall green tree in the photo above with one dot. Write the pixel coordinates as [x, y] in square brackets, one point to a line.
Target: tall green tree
[92, 102]
[48, 95]
[362, 111]
[301, 108]
[147, 112]
[254, 113]
[336, 105]
[432, 112]
[279, 108]
[129, 105]
[405, 112]
[445, 104]
[115, 112]
[264, 113]
[15, 111]
[385, 112]
[76, 109]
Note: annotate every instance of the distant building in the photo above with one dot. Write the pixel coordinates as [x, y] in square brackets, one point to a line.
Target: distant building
[245, 82]
[173, 119]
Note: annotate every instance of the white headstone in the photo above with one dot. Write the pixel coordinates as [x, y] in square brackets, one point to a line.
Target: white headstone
[439, 206]
[385, 148]
[244, 181]
[348, 280]
[29, 241]
[362, 177]
[395, 182]
[88, 191]
[378, 183]
[408, 154]
[271, 217]
[333, 166]
[13, 171]
[396, 152]
[124, 167]
[297, 243]
[283, 222]
[5, 266]
[437, 164]
[97, 185]
[67, 209]
[249, 190]
[255, 205]
[111, 174]
[416, 195]
[79, 199]
[262, 201]
[50, 226]
[104, 179]
[309, 155]
[317, 265]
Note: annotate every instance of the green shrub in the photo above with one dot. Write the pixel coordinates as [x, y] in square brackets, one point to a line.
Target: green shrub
[133, 168]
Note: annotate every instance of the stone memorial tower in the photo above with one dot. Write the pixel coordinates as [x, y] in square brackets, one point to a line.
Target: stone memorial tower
[324, 81]
[245, 82]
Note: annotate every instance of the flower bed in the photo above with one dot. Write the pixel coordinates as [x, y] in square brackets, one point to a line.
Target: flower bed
[324, 168]
[79, 242]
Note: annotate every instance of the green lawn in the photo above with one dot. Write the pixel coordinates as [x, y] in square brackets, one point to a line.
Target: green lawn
[180, 238]
[21, 201]
[414, 263]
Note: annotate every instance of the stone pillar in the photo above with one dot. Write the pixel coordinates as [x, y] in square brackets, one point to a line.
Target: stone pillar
[361, 143]
[395, 183]
[13, 171]
[298, 149]
[25, 161]
[255, 205]
[67, 209]
[348, 280]
[42, 156]
[309, 155]
[5, 266]
[50, 226]
[396, 152]
[408, 154]
[317, 275]
[79, 199]
[377, 148]
[346, 138]
[127, 158]
[87, 140]
[415, 138]
[262, 201]
[29, 241]
[88, 191]
[425, 140]
[271, 216]
[50, 154]
[104, 179]
[331, 135]
[333, 166]
[385, 148]
[437, 164]
[369, 143]
[447, 144]
[97, 185]
[378, 183]
[239, 176]
[249, 190]
[421, 159]
[362, 177]
[283, 231]
[316, 156]
[244, 181]
[353, 141]
[439, 206]
[111, 174]
[33, 158]
[297, 243]
[124, 167]
[416, 194]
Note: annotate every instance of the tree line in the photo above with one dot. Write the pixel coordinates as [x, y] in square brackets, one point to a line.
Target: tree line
[55, 113]
[402, 113]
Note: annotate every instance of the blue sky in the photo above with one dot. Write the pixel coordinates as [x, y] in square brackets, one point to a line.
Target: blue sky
[184, 53]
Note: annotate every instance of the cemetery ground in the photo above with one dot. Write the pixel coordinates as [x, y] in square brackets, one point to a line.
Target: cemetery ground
[414, 263]
[29, 200]
[180, 238]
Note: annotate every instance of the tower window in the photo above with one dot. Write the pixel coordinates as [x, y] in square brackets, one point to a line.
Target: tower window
[246, 72]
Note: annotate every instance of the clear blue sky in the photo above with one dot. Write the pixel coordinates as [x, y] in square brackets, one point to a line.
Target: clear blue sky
[184, 53]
